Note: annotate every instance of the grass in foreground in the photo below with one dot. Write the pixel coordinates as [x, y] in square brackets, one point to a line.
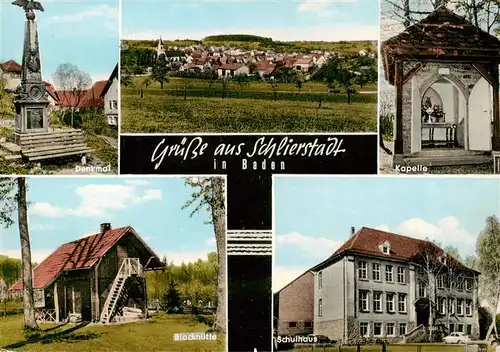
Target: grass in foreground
[163, 113]
[151, 335]
[425, 347]
[103, 150]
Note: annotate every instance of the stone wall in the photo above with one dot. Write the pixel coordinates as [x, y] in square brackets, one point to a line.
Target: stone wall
[334, 329]
[463, 75]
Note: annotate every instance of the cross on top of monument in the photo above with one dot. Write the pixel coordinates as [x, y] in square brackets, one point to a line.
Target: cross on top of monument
[29, 6]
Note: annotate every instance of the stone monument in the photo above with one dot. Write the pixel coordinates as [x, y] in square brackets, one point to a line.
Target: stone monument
[31, 100]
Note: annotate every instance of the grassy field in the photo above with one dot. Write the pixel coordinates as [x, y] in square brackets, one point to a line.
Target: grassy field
[250, 108]
[427, 347]
[152, 335]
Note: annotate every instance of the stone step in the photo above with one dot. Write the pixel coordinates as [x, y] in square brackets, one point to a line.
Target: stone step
[53, 133]
[13, 157]
[448, 161]
[60, 155]
[52, 147]
[11, 148]
[32, 144]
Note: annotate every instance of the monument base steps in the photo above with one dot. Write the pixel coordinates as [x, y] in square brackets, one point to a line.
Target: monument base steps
[51, 145]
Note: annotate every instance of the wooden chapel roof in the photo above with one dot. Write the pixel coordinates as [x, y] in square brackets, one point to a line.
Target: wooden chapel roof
[443, 36]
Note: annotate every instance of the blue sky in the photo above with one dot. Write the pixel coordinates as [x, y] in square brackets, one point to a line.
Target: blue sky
[65, 209]
[280, 19]
[313, 216]
[84, 33]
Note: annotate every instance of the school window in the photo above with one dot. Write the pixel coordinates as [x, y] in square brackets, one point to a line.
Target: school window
[363, 329]
[320, 307]
[460, 328]
[292, 324]
[451, 305]
[422, 292]
[452, 328]
[390, 302]
[377, 301]
[460, 307]
[363, 301]
[469, 284]
[320, 279]
[440, 281]
[401, 275]
[390, 329]
[362, 270]
[308, 324]
[469, 329]
[441, 305]
[402, 303]
[388, 273]
[376, 271]
[402, 328]
[377, 329]
[460, 285]
[468, 308]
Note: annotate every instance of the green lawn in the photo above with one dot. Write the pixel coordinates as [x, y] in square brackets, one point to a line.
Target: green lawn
[193, 105]
[195, 83]
[151, 335]
[426, 347]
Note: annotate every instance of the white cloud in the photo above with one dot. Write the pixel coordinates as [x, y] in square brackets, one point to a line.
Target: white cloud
[448, 231]
[211, 242]
[321, 8]
[103, 12]
[382, 227]
[98, 200]
[337, 32]
[137, 182]
[282, 276]
[37, 255]
[184, 257]
[316, 247]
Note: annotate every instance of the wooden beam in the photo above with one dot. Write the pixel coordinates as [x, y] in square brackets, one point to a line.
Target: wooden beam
[413, 71]
[496, 110]
[56, 302]
[398, 82]
[485, 73]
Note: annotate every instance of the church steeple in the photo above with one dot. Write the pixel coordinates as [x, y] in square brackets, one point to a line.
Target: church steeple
[160, 49]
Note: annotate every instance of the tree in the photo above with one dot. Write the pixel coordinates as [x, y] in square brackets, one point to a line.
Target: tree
[160, 71]
[274, 86]
[241, 80]
[172, 298]
[488, 262]
[72, 85]
[210, 196]
[6, 103]
[298, 84]
[13, 197]
[453, 251]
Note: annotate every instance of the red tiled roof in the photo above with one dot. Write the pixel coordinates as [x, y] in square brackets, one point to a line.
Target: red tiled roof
[90, 98]
[11, 66]
[367, 241]
[79, 254]
[231, 66]
[303, 61]
[51, 90]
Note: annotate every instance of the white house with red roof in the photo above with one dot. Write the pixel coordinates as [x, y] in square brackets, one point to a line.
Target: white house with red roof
[98, 278]
[233, 69]
[10, 74]
[375, 286]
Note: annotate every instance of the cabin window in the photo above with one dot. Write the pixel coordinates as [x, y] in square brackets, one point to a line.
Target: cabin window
[376, 271]
[386, 250]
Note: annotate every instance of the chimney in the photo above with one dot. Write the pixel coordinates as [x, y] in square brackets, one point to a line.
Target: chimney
[353, 230]
[105, 226]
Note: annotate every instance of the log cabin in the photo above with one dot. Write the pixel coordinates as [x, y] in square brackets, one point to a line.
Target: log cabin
[98, 278]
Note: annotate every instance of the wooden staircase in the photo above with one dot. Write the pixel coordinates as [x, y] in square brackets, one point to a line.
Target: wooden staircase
[118, 294]
[51, 145]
